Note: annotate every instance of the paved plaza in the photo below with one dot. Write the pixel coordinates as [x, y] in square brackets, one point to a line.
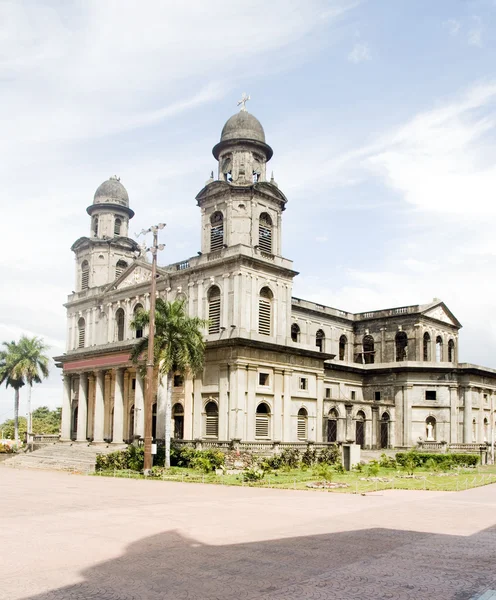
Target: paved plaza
[69, 537]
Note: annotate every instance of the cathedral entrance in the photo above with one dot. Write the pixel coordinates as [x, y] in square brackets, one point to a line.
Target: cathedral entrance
[74, 423]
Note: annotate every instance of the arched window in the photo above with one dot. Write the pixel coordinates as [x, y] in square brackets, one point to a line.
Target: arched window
[117, 226]
[178, 421]
[343, 343]
[119, 323]
[81, 332]
[262, 421]
[427, 347]
[302, 427]
[486, 430]
[85, 275]
[319, 340]
[360, 429]
[214, 309]
[120, 267]
[368, 350]
[439, 349]
[295, 332]
[211, 420]
[216, 231]
[430, 429]
[95, 226]
[385, 430]
[401, 346]
[265, 311]
[138, 332]
[474, 430]
[265, 233]
[332, 425]
[451, 351]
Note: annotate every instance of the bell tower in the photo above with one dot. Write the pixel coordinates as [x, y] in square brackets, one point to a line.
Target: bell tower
[108, 251]
[241, 207]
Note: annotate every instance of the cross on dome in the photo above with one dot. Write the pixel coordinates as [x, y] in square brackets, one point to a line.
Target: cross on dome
[243, 101]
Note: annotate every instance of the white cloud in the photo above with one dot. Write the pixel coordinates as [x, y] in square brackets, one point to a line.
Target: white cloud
[453, 26]
[359, 53]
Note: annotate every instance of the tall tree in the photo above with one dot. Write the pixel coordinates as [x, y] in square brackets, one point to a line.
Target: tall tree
[32, 365]
[20, 363]
[10, 375]
[179, 348]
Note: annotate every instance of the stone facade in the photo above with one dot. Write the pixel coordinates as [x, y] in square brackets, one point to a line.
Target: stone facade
[277, 368]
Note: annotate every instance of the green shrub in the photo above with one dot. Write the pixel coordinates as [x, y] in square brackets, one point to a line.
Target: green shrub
[330, 455]
[446, 461]
[272, 462]
[309, 457]
[253, 475]
[7, 449]
[373, 468]
[290, 458]
[324, 471]
[387, 462]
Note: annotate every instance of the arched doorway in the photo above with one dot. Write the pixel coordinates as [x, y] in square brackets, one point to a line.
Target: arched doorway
[74, 422]
[385, 430]
[360, 429]
[178, 420]
[332, 426]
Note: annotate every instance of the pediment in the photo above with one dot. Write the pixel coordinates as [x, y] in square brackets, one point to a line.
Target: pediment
[442, 313]
[138, 272]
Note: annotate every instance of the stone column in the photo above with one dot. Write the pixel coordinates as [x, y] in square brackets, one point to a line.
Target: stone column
[407, 415]
[126, 404]
[161, 406]
[139, 406]
[374, 442]
[82, 408]
[251, 408]
[467, 416]
[278, 418]
[99, 408]
[398, 403]
[453, 400]
[107, 395]
[91, 406]
[286, 432]
[383, 343]
[319, 426]
[195, 429]
[117, 437]
[418, 342]
[66, 410]
[349, 433]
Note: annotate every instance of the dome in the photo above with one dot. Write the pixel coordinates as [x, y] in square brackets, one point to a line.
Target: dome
[112, 192]
[243, 126]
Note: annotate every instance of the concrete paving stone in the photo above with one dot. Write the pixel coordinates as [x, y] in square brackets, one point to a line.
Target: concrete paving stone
[70, 537]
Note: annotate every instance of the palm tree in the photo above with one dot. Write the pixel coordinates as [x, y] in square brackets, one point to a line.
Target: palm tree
[32, 366]
[179, 348]
[10, 376]
[21, 362]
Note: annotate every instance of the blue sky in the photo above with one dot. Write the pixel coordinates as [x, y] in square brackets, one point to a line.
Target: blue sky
[381, 114]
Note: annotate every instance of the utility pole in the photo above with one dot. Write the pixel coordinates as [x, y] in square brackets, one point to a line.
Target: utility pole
[150, 363]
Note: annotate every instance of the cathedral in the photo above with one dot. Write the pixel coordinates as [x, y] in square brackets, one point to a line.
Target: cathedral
[278, 369]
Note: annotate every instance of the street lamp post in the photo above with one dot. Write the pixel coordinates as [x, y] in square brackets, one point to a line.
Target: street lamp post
[150, 363]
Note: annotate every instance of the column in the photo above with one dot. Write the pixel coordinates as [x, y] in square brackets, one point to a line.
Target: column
[251, 408]
[383, 344]
[139, 406]
[392, 430]
[407, 415]
[82, 408]
[91, 406]
[224, 402]
[161, 406]
[117, 437]
[349, 433]
[232, 402]
[319, 426]
[66, 410]
[467, 416]
[453, 400]
[374, 442]
[73, 343]
[200, 299]
[286, 432]
[278, 418]
[418, 342]
[398, 403]
[99, 416]
[107, 395]
[94, 330]
[195, 432]
[126, 405]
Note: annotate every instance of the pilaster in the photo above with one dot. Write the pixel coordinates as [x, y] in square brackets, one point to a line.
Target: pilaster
[82, 408]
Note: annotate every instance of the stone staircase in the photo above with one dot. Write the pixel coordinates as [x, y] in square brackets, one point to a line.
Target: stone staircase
[61, 456]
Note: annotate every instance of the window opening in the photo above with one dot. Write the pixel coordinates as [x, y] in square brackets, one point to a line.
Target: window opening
[353, 395]
[262, 421]
[360, 429]
[95, 226]
[328, 392]
[265, 311]
[120, 267]
[343, 342]
[216, 231]
[178, 380]
[119, 319]
[295, 332]
[214, 310]
[332, 426]
[85, 275]
[302, 424]
[81, 332]
[451, 351]
[303, 383]
[368, 350]
[427, 347]
[117, 226]
[430, 394]
[211, 420]
[439, 348]
[377, 396]
[319, 340]
[263, 379]
[265, 233]
[401, 346]
[139, 331]
[178, 420]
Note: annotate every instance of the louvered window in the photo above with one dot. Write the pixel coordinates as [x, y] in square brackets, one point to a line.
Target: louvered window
[81, 332]
[262, 421]
[265, 311]
[265, 233]
[119, 321]
[214, 310]
[85, 275]
[302, 424]
[216, 231]
[117, 227]
[120, 267]
[211, 420]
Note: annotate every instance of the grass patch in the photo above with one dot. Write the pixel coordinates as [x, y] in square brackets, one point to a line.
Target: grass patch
[357, 482]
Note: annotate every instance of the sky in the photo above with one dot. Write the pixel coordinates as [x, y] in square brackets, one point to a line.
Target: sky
[381, 114]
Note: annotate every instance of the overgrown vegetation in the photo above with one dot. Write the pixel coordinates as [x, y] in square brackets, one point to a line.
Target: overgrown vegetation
[414, 460]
